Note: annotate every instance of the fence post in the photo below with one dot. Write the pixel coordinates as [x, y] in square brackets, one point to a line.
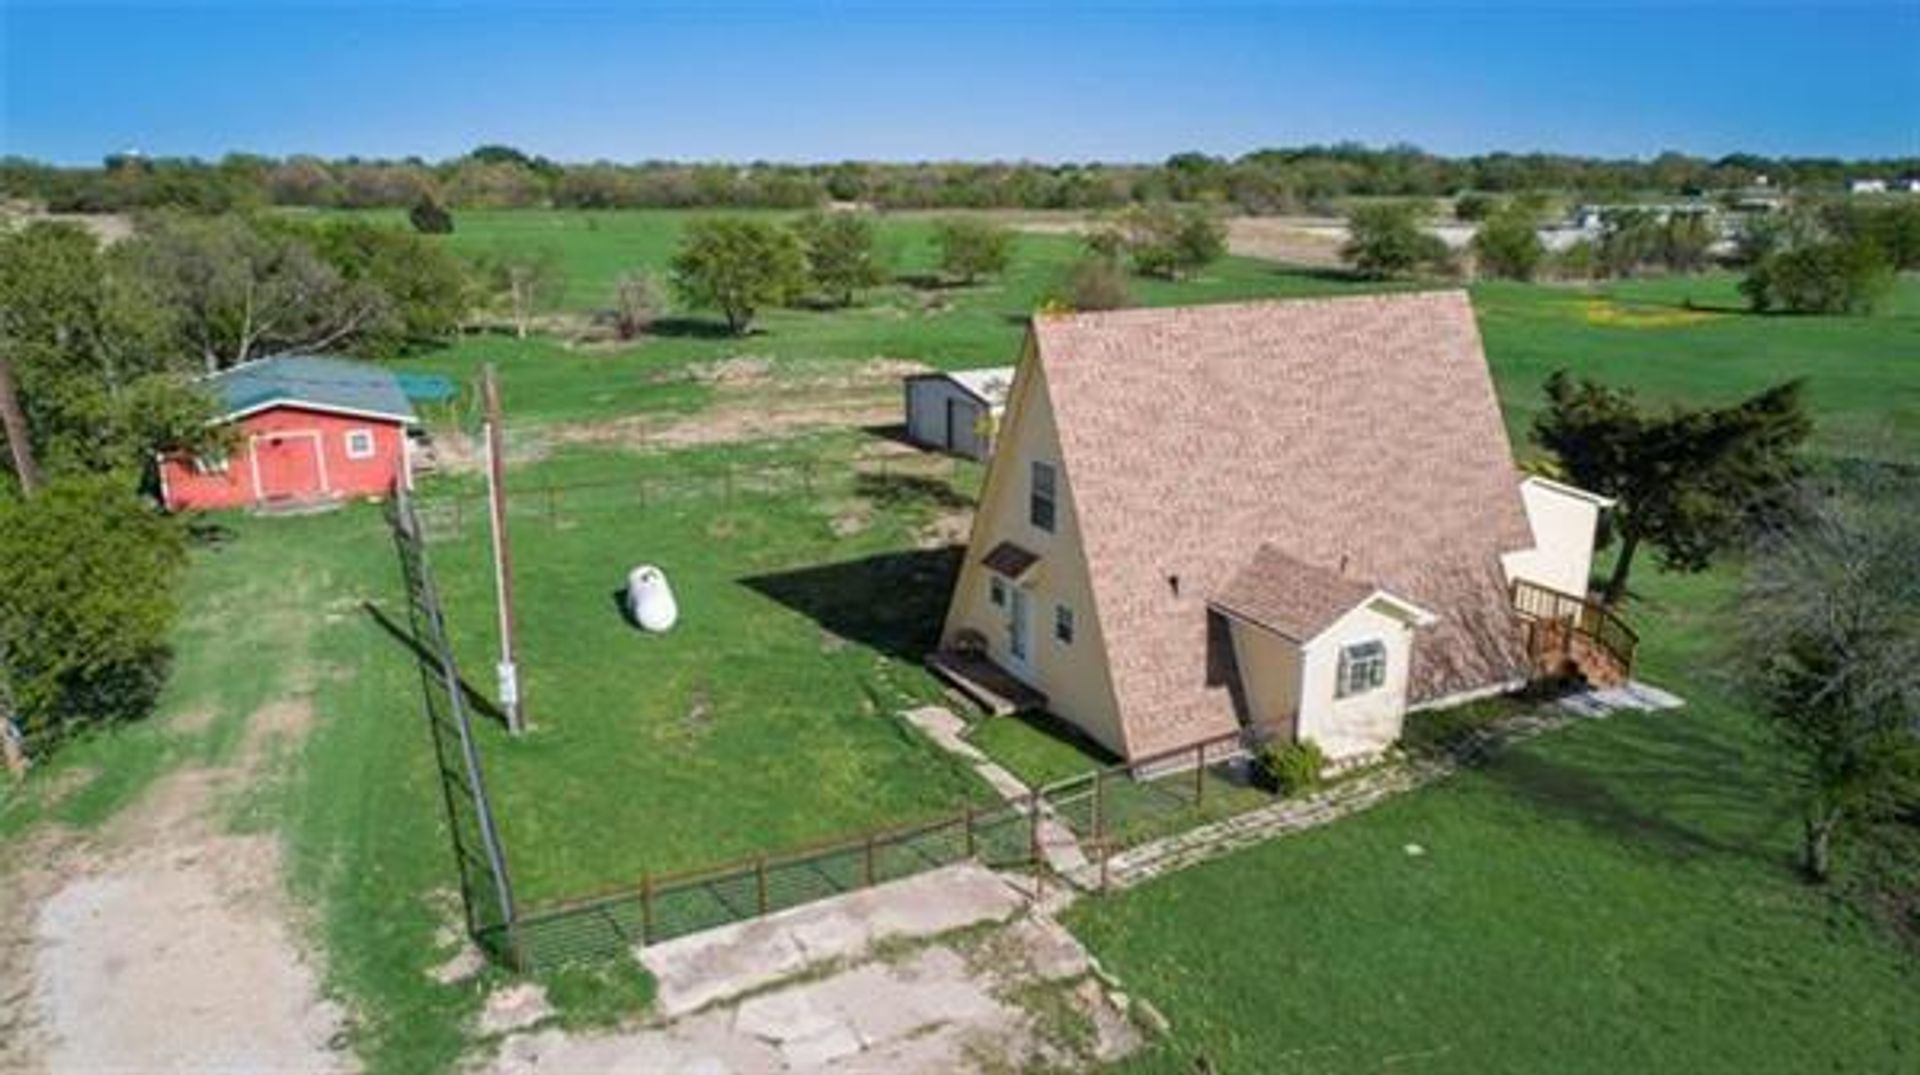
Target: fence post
[1097, 783]
[760, 880]
[869, 860]
[1199, 773]
[968, 813]
[1033, 829]
[646, 909]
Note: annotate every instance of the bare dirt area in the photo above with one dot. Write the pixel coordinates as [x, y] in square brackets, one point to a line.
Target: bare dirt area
[161, 943]
[753, 401]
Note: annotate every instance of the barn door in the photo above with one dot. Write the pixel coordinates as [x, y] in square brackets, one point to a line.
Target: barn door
[287, 466]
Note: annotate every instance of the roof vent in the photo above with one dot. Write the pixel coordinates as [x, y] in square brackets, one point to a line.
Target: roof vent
[1173, 583]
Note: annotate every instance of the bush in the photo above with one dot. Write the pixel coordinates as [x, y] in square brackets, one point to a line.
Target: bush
[1820, 278]
[1390, 239]
[1097, 283]
[971, 248]
[429, 217]
[639, 299]
[1293, 768]
[88, 573]
[1474, 206]
[1508, 246]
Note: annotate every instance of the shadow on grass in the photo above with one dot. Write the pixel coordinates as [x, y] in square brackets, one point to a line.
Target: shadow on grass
[1667, 787]
[894, 491]
[691, 328]
[890, 602]
[430, 661]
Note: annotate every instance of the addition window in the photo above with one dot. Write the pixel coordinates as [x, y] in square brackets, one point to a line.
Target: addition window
[1363, 667]
[997, 591]
[1040, 502]
[359, 444]
[1063, 624]
[211, 463]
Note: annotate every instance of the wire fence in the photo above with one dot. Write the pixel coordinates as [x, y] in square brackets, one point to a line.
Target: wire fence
[942, 481]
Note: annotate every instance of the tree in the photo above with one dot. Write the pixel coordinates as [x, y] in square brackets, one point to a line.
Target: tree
[92, 358]
[88, 574]
[737, 265]
[1473, 206]
[639, 298]
[1832, 277]
[1162, 240]
[1686, 241]
[1096, 283]
[429, 217]
[1630, 240]
[426, 287]
[1831, 652]
[1388, 239]
[13, 428]
[839, 252]
[236, 292]
[971, 248]
[527, 280]
[1508, 244]
[1688, 481]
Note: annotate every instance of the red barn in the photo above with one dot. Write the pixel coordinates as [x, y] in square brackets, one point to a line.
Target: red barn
[307, 429]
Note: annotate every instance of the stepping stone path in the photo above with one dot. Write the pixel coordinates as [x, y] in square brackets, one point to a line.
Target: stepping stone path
[1058, 844]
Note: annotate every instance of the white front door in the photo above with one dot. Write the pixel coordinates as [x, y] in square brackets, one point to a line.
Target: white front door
[1019, 629]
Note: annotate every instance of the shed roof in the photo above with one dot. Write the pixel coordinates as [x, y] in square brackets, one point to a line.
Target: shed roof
[318, 382]
[989, 385]
[1360, 430]
[1288, 596]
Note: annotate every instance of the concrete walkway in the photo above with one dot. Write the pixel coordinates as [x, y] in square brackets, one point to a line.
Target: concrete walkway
[1356, 793]
[701, 968]
[1058, 845]
[937, 973]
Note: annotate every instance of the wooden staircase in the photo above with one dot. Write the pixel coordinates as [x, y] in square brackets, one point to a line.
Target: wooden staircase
[1575, 636]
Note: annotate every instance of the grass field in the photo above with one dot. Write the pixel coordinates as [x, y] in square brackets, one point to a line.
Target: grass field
[1618, 896]
[767, 718]
[1614, 897]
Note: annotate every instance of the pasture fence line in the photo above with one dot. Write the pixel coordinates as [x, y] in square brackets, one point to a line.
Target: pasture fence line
[486, 887]
[557, 503]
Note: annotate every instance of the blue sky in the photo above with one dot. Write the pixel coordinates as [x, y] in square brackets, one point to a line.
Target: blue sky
[1046, 81]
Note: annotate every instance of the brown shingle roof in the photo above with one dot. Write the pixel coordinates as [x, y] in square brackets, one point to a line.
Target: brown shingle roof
[1361, 430]
[1290, 596]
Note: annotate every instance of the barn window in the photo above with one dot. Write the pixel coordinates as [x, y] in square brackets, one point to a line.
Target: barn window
[359, 444]
[1363, 667]
[1063, 624]
[1040, 502]
[211, 463]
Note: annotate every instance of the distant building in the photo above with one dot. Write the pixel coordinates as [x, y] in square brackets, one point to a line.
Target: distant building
[957, 411]
[306, 428]
[1866, 186]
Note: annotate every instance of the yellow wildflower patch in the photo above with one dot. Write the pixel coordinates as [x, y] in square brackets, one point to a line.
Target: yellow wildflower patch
[1614, 315]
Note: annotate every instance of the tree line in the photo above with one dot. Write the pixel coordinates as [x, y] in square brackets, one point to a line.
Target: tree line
[1263, 181]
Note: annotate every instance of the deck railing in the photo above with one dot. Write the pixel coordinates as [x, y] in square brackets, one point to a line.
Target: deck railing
[1584, 615]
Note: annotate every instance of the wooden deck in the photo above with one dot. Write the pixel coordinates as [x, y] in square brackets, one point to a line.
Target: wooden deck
[986, 684]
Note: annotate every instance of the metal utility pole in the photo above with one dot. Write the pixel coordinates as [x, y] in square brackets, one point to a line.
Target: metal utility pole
[502, 555]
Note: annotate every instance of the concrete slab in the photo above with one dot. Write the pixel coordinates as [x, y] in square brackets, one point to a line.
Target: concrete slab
[698, 970]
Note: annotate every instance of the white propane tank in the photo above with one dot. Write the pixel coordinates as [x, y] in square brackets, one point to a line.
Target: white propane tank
[650, 599]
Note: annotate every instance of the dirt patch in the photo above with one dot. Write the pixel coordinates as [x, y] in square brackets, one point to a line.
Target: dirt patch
[947, 528]
[1307, 241]
[162, 944]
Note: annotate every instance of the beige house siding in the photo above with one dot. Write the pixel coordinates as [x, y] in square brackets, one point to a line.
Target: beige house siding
[1365, 723]
[1269, 668]
[1563, 520]
[1074, 675]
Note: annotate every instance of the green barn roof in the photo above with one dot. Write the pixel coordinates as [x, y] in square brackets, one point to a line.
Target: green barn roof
[314, 381]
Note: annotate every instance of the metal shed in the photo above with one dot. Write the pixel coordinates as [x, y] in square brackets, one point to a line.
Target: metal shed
[957, 411]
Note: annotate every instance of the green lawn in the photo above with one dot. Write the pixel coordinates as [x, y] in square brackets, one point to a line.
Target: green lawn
[767, 718]
[1617, 896]
[1037, 748]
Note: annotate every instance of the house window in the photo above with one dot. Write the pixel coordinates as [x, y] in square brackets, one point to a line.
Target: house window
[359, 444]
[1063, 625]
[1363, 667]
[997, 592]
[1040, 503]
[211, 463]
